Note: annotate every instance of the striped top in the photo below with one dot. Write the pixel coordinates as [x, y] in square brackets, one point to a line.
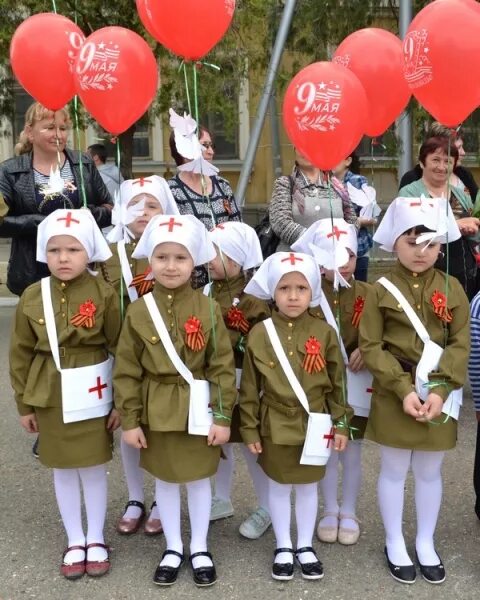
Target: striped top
[50, 199]
[474, 360]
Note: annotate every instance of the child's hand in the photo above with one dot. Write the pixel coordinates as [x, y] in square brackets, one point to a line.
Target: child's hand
[113, 421]
[255, 448]
[29, 423]
[432, 408]
[135, 437]
[355, 362]
[341, 442]
[218, 435]
[412, 405]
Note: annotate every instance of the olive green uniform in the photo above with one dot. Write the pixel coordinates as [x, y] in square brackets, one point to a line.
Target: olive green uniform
[391, 350]
[149, 392]
[277, 418]
[254, 310]
[35, 378]
[111, 270]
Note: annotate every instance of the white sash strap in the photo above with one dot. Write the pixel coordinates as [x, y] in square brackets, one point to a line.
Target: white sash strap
[327, 311]
[126, 270]
[415, 321]
[50, 320]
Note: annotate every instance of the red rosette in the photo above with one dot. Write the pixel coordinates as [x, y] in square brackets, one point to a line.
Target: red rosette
[358, 307]
[313, 361]
[195, 338]
[235, 319]
[440, 308]
[85, 316]
[142, 284]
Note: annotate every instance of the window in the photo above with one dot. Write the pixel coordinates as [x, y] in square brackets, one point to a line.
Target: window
[141, 138]
[21, 103]
[226, 145]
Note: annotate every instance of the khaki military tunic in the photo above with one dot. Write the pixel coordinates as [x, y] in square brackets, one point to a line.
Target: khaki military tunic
[35, 379]
[277, 418]
[391, 350]
[255, 310]
[150, 393]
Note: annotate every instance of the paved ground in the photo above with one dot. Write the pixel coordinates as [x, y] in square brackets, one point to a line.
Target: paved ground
[31, 536]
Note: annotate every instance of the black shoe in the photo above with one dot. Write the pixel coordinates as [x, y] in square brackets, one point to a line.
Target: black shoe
[166, 575]
[432, 573]
[282, 571]
[312, 570]
[203, 576]
[405, 574]
[35, 447]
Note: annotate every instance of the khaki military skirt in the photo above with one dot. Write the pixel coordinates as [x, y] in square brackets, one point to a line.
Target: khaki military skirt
[178, 457]
[282, 464]
[72, 445]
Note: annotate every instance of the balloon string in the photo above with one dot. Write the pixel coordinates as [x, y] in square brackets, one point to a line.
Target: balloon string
[187, 90]
[54, 6]
[77, 135]
[195, 93]
[447, 251]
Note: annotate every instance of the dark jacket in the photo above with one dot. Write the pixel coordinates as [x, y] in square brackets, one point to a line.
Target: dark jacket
[21, 221]
[461, 172]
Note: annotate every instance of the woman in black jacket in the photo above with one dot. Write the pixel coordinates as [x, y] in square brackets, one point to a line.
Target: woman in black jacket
[43, 177]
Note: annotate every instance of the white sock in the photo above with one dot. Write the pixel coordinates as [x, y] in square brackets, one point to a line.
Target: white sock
[133, 477]
[351, 460]
[168, 503]
[395, 463]
[329, 489]
[199, 495]
[306, 504]
[260, 480]
[94, 483]
[224, 476]
[427, 471]
[280, 512]
[67, 492]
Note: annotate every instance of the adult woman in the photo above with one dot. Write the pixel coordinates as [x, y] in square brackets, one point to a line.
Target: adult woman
[300, 199]
[436, 167]
[30, 192]
[209, 198]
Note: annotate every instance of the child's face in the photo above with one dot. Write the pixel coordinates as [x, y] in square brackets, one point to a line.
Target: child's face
[151, 208]
[171, 264]
[346, 271]
[66, 257]
[292, 295]
[417, 258]
[223, 267]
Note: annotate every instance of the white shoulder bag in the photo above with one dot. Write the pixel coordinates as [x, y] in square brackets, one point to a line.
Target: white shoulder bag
[319, 436]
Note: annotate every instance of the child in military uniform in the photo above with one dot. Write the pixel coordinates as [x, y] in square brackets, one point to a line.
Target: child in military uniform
[85, 316]
[334, 244]
[414, 338]
[238, 250]
[156, 369]
[274, 417]
[139, 201]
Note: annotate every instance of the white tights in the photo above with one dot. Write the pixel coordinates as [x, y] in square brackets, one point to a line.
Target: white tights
[135, 480]
[426, 468]
[306, 502]
[199, 496]
[68, 494]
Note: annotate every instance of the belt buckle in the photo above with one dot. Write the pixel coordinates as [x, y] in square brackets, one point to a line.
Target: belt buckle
[61, 351]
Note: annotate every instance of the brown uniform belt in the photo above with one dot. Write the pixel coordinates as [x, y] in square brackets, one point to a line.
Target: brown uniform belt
[172, 379]
[407, 366]
[289, 411]
[66, 351]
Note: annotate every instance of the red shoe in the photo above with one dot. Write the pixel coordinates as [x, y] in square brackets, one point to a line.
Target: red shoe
[73, 570]
[97, 568]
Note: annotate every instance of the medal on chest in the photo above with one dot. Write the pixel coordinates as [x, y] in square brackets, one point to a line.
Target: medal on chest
[440, 308]
[358, 307]
[144, 282]
[313, 361]
[195, 338]
[85, 316]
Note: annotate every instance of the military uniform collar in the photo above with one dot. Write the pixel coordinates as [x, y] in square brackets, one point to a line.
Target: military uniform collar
[289, 323]
[409, 275]
[161, 292]
[73, 283]
[233, 284]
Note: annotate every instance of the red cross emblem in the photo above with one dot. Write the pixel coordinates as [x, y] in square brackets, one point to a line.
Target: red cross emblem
[292, 258]
[329, 436]
[419, 204]
[369, 390]
[98, 388]
[141, 181]
[68, 219]
[171, 223]
[336, 232]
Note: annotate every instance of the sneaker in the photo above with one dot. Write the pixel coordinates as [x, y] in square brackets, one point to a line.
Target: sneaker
[35, 447]
[221, 509]
[256, 524]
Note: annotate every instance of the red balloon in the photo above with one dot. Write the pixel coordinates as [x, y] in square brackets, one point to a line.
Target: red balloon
[189, 28]
[442, 59]
[324, 113]
[376, 58]
[116, 76]
[42, 53]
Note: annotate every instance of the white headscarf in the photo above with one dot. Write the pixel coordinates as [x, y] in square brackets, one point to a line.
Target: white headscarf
[239, 242]
[80, 224]
[405, 213]
[181, 229]
[265, 281]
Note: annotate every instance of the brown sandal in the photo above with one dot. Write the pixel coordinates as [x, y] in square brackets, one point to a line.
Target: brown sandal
[97, 568]
[73, 570]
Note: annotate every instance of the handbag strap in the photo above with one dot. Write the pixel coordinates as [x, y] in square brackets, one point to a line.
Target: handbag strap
[166, 339]
[50, 320]
[126, 270]
[327, 311]
[287, 368]
[415, 321]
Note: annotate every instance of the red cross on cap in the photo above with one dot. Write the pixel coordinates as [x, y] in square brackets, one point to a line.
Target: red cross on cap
[141, 181]
[171, 223]
[336, 232]
[292, 258]
[68, 219]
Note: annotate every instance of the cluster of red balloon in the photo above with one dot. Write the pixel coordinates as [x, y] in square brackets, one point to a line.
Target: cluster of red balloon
[329, 106]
